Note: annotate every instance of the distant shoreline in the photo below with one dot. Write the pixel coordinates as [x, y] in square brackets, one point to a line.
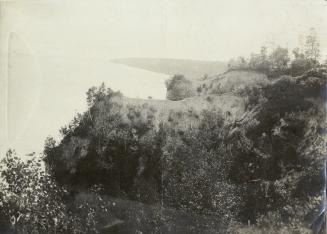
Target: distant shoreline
[192, 69]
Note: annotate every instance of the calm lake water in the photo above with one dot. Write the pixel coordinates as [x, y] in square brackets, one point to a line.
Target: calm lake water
[44, 95]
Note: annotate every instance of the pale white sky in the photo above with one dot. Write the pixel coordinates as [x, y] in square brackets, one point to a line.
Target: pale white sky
[207, 29]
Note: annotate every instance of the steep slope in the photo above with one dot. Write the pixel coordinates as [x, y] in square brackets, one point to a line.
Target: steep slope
[241, 149]
[232, 81]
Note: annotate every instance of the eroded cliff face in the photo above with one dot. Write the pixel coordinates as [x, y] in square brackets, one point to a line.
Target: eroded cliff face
[260, 140]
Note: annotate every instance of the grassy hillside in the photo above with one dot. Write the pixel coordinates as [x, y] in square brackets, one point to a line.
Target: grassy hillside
[231, 82]
[232, 106]
[192, 69]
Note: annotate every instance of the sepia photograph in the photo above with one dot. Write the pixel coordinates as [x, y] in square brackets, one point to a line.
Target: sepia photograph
[163, 116]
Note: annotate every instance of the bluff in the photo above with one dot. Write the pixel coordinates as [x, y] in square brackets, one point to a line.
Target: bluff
[242, 148]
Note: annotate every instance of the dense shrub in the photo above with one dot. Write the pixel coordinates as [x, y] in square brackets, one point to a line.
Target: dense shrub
[280, 151]
[32, 202]
[196, 165]
[119, 151]
[178, 88]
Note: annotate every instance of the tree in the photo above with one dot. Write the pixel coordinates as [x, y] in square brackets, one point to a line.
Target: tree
[255, 61]
[299, 64]
[279, 59]
[297, 53]
[260, 62]
[312, 50]
[307, 58]
[238, 63]
[178, 88]
[32, 202]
